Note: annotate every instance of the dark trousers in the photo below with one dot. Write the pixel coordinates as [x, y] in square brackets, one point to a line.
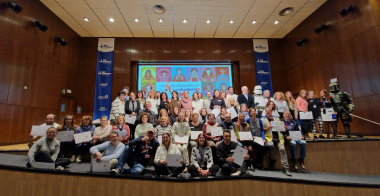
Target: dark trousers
[65, 148]
[228, 168]
[194, 170]
[45, 158]
[83, 148]
[260, 152]
[132, 129]
[306, 125]
[162, 169]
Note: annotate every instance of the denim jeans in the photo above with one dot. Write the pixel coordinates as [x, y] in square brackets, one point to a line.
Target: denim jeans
[128, 157]
[293, 145]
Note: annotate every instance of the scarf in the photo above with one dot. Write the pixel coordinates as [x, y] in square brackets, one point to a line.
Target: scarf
[243, 126]
[132, 104]
[186, 100]
[212, 124]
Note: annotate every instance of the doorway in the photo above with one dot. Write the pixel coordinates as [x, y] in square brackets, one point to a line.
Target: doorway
[66, 104]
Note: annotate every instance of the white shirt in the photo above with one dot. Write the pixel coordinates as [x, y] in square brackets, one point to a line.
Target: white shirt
[233, 96]
[154, 103]
[197, 104]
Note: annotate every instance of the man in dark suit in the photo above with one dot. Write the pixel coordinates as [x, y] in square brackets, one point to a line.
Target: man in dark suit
[246, 98]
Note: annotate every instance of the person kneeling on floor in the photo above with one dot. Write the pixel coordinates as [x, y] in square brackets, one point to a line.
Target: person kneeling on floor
[111, 150]
[225, 151]
[46, 150]
[137, 158]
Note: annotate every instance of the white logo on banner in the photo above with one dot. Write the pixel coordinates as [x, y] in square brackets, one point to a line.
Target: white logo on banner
[103, 97]
[105, 61]
[103, 84]
[104, 73]
[102, 109]
[106, 44]
[261, 47]
[264, 83]
[261, 61]
[262, 72]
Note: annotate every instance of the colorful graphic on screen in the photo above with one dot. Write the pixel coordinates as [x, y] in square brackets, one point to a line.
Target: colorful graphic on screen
[181, 78]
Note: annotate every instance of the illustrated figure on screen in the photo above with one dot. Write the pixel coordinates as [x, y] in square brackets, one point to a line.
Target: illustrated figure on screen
[223, 87]
[147, 87]
[179, 77]
[208, 88]
[208, 76]
[222, 76]
[148, 75]
[194, 77]
[164, 75]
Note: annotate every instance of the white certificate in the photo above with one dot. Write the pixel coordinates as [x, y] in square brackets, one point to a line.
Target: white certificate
[278, 126]
[217, 131]
[183, 139]
[328, 114]
[173, 160]
[159, 138]
[245, 136]
[233, 136]
[194, 134]
[65, 136]
[38, 130]
[216, 112]
[101, 166]
[259, 140]
[233, 113]
[262, 102]
[42, 165]
[130, 120]
[295, 135]
[82, 137]
[121, 134]
[239, 155]
[306, 115]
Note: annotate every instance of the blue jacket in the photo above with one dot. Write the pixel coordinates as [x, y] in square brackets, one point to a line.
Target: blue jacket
[262, 133]
[141, 149]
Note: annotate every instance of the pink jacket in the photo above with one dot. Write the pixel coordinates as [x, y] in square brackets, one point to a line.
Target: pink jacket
[301, 105]
[186, 104]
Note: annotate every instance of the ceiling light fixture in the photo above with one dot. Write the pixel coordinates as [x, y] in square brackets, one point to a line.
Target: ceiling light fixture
[254, 22]
[160, 20]
[276, 22]
[208, 21]
[231, 21]
[86, 19]
[286, 11]
[184, 21]
[112, 20]
[136, 19]
[158, 9]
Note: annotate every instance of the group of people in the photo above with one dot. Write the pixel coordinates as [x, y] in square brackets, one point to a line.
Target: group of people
[159, 118]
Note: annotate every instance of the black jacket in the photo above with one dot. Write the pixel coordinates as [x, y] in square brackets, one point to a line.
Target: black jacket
[223, 152]
[314, 106]
[142, 149]
[130, 110]
[250, 102]
[217, 101]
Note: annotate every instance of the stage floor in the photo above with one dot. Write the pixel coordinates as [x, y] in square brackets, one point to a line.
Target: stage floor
[18, 162]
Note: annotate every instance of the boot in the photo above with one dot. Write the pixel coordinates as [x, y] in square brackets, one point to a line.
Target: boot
[271, 164]
[78, 159]
[302, 163]
[287, 172]
[294, 164]
[72, 160]
[348, 131]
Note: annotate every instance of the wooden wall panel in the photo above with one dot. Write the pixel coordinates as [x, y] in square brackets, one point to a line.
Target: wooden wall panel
[311, 75]
[88, 54]
[177, 49]
[86, 87]
[366, 107]
[140, 48]
[280, 81]
[122, 55]
[204, 49]
[70, 81]
[158, 49]
[9, 20]
[276, 55]
[311, 48]
[291, 49]
[6, 63]
[41, 113]
[376, 10]
[295, 79]
[18, 127]
[120, 80]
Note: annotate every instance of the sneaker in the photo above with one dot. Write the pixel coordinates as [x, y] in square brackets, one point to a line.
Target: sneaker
[250, 173]
[315, 137]
[322, 137]
[115, 171]
[78, 159]
[234, 174]
[287, 172]
[185, 170]
[72, 160]
[59, 168]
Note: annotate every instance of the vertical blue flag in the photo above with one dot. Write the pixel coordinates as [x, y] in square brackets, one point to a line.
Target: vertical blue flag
[103, 84]
[263, 74]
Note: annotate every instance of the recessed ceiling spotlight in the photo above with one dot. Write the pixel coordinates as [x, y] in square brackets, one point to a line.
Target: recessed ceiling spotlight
[160, 20]
[286, 11]
[276, 22]
[231, 21]
[208, 21]
[254, 22]
[136, 19]
[184, 21]
[86, 19]
[112, 20]
[159, 9]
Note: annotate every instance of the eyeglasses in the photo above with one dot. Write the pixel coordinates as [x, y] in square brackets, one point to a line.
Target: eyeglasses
[52, 132]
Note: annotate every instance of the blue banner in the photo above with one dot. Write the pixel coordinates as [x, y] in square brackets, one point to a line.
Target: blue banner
[103, 83]
[263, 74]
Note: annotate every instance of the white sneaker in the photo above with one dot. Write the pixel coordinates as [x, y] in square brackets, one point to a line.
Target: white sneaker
[251, 173]
[59, 168]
[72, 160]
[78, 160]
[234, 174]
[115, 171]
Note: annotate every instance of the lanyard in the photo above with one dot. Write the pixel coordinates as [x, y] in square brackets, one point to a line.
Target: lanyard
[202, 154]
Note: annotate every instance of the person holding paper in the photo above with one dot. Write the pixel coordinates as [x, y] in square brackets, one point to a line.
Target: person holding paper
[228, 123]
[220, 118]
[291, 104]
[217, 101]
[81, 149]
[203, 115]
[186, 102]
[202, 163]
[195, 125]
[153, 101]
[163, 112]
[280, 103]
[182, 128]
[101, 133]
[243, 126]
[121, 126]
[274, 138]
[174, 116]
[46, 150]
[246, 98]
[140, 98]
[225, 151]
[314, 106]
[118, 106]
[132, 108]
[137, 158]
[68, 125]
[147, 110]
[291, 125]
[163, 127]
[231, 94]
[142, 128]
[50, 118]
[244, 110]
[174, 103]
[197, 104]
[327, 102]
[207, 102]
[232, 103]
[213, 141]
[302, 106]
[257, 131]
[111, 150]
[160, 164]
[272, 105]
